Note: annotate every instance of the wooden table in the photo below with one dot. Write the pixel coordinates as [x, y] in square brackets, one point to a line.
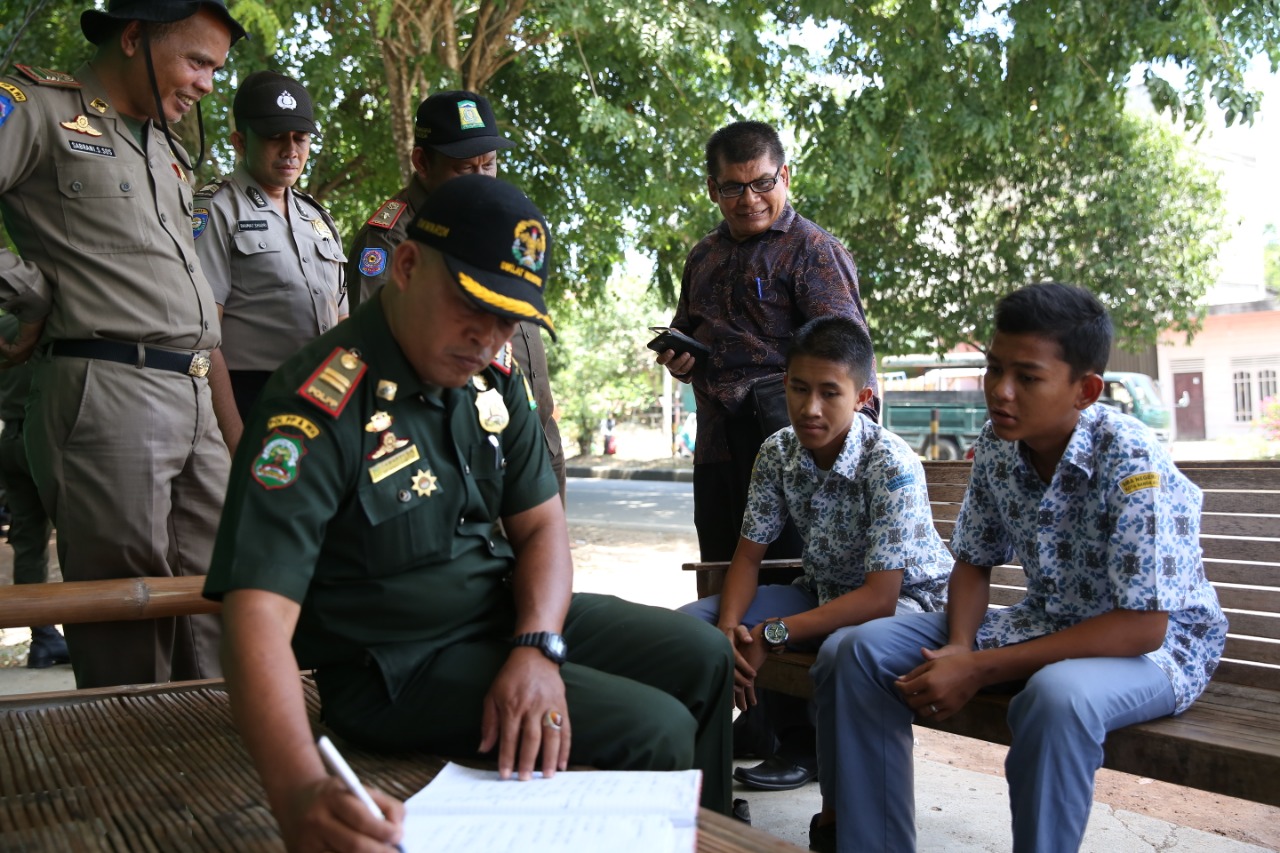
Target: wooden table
[161, 768]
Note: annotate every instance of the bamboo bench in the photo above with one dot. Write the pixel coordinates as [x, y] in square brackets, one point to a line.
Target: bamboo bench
[161, 767]
[1228, 742]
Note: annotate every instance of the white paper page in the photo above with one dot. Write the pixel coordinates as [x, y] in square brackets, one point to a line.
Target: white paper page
[566, 834]
[462, 790]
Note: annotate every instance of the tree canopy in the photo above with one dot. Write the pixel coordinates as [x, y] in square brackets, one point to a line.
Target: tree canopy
[959, 148]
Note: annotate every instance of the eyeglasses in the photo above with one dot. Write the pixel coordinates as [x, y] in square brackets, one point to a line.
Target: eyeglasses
[759, 186]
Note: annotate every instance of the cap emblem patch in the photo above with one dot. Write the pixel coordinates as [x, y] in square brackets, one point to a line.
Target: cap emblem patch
[530, 245]
[469, 115]
[287, 101]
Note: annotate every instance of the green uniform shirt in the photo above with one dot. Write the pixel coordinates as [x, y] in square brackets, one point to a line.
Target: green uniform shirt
[390, 556]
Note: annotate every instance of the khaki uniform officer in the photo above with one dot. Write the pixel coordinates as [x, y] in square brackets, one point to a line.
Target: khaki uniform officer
[270, 252]
[457, 134]
[120, 430]
[361, 538]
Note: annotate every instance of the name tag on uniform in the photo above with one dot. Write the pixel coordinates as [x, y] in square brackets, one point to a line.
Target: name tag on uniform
[90, 148]
[394, 463]
[251, 225]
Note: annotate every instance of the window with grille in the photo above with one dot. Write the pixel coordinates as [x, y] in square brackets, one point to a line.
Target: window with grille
[1243, 380]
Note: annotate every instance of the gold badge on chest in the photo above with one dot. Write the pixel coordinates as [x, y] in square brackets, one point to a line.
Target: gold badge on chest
[492, 408]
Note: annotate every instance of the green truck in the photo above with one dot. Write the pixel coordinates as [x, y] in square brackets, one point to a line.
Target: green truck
[961, 414]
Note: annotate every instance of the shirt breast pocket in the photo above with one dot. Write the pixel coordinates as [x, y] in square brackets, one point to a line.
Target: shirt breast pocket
[260, 264]
[404, 531]
[104, 212]
[330, 251]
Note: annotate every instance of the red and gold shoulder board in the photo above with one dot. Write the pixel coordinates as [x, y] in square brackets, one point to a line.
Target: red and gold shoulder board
[505, 360]
[334, 381]
[49, 77]
[388, 214]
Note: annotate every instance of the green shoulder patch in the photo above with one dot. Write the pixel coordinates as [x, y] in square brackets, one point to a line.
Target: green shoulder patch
[277, 464]
[334, 381]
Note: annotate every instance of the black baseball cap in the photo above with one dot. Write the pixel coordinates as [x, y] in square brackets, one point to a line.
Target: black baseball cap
[97, 25]
[494, 241]
[269, 103]
[458, 124]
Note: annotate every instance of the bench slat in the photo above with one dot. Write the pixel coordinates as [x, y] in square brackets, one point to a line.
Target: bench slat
[114, 600]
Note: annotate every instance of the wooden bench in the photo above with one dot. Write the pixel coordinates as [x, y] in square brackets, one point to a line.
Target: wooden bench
[1228, 742]
[161, 767]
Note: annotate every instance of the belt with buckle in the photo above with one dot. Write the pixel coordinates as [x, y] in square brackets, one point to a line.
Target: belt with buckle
[139, 355]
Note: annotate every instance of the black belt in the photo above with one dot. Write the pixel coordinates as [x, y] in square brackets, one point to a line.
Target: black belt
[139, 355]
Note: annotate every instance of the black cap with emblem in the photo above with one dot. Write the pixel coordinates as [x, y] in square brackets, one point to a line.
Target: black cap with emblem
[97, 25]
[458, 124]
[494, 241]
[269, 103]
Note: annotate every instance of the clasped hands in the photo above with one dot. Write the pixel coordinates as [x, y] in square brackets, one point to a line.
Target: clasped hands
[749, 652]
[943, 684]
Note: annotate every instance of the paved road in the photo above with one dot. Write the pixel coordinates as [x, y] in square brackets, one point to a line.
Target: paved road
[657, 506]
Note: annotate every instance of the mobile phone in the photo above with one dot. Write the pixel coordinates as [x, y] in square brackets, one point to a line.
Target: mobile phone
[674, 339]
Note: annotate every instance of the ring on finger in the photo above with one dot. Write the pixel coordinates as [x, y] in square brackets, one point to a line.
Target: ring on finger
[553, 720]
[933, 708]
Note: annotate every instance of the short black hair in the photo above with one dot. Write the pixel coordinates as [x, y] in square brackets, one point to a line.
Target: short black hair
[842, 340]
[1071, 316]
[742, 142]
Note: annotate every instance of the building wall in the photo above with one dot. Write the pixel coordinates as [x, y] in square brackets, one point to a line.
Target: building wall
[1238, 355]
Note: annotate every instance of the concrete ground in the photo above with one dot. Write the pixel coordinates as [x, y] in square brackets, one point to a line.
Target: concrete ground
[961, 798]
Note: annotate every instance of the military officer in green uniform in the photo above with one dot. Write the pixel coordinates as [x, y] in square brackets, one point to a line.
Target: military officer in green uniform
[361, 538]
[120, 430]
[456, 134]
[271, 252]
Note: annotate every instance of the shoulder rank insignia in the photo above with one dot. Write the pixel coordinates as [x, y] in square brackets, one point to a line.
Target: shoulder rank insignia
[505, 359]
[210, 189]
[331, 386]
[387, 215]
[49, 77]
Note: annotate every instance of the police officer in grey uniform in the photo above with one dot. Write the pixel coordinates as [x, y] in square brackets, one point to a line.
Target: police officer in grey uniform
[120, 430]
[360, 538]
[456, 134]
[271, 253]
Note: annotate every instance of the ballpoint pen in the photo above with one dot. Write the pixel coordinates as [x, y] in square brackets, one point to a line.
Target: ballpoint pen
[759, 289]
[340, 768]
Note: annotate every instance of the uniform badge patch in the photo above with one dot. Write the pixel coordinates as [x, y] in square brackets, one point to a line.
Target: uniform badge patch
[18, 95]
[277, 464]
[380, 422]
[494, 416]
[6, 109]
[386, 216]
[425, 483]
[298, 422]
[334, 381]
[387, 390]
[398, 460]
[199, 222]
[99, 105]
[469, 116]
[1149, 480]
[322, 229]
[91, 148]
[80, 124]
[373, 261]
[255, 196]
[49, 77]
[251, 225]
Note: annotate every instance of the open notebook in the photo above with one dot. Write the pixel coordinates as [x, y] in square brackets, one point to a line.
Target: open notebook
[470, 810]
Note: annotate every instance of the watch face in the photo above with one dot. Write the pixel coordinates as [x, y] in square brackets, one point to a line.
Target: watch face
[555, 647]
[775, 633]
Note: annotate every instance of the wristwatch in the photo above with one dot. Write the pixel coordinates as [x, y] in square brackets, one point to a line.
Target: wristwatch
[775, 633]
[550, 643]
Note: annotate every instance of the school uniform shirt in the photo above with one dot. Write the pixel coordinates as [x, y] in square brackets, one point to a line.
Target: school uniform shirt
[280, 281]
[869, 513]
[1118, 527]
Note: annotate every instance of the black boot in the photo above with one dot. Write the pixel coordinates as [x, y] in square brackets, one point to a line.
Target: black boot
[47, 648]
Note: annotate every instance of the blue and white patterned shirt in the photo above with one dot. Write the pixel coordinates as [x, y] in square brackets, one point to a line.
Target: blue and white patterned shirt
[1118, 527]
[870, 513]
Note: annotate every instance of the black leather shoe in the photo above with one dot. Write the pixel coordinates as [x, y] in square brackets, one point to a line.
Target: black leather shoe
[742, 811]
[47, 648]
[775, 774]
[822, 838]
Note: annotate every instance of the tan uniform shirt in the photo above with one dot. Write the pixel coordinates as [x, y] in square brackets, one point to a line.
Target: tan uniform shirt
[371, 250]
[280, 281]
[103, 225]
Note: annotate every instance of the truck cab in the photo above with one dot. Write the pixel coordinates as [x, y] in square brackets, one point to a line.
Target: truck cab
[1135, 394]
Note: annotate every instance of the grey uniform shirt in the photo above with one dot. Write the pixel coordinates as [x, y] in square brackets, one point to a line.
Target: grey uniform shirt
[280, 281]
[102, 223]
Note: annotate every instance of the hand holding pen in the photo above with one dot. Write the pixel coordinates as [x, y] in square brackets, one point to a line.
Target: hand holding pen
[338, 767]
